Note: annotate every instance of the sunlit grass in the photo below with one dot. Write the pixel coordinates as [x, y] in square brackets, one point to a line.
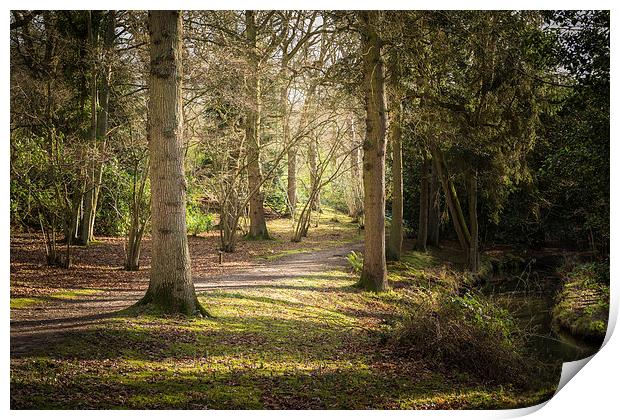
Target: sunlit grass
[306, 342]
[21, 302]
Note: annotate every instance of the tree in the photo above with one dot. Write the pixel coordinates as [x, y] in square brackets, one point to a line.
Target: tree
[424, 207]
[395, 243]
[170, 288]
[353, 187]
[374, 271]
[99, 89]
[433, 210]
[301, 31]
[258, 224]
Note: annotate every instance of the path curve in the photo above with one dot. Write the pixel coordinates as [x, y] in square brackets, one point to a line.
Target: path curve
[38, 327]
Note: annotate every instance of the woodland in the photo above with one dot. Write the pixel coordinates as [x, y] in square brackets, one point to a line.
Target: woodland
[306, 209]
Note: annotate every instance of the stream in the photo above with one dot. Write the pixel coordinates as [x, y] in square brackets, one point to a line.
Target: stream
[529, 297]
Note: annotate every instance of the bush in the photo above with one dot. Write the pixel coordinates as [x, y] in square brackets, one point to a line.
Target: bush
[276, 199]
[467, 333]
[198, 222]
[356, 260]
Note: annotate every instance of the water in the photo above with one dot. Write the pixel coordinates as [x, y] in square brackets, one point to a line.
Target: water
[529, 297]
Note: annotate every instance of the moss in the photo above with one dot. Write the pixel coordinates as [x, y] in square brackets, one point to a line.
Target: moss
[485, 272]
[74, 293]
[272, 256]
[582, 306]
[22, 302]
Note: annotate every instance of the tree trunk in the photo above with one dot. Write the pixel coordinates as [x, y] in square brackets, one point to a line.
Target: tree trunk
[229, 222]
[134, 245]
[291, 180]
[102, 117]
[170, 288]
[423, 216]
[312, 163]
[472, 200]
[454, 206]
[139, 219]
[291, 186]
[374, 274]
[433, 212]
[258, 224]
[355, 203]
[396, 229]
[88, 209]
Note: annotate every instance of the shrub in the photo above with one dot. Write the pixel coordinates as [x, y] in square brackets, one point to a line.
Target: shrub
[276, 199]
[198, 222]
[467, 333]
[356, 260]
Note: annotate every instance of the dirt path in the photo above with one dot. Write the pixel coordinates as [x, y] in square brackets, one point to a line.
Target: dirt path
[37, 327]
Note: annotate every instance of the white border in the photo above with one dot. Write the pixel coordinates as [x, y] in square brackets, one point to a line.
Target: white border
[593, 394]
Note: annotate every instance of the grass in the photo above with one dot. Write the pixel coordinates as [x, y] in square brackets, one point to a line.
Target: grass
[308, 342]
[272, 256]
[26, 302]
[21, 303]
[583, 304]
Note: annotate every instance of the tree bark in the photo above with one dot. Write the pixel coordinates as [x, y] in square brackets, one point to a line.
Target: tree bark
[454, 206]
[291, 186]
[423, 216]
[170, 288]
[139, 218]
[85, 234]
[313, 147]
[355, 203]
[374, 274]
[102, 117]
[258, 224]
[433, 212]
[291, 154]
[396, 229]
[472, 200]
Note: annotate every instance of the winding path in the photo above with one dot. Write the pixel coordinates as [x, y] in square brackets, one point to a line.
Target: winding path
[38, 327]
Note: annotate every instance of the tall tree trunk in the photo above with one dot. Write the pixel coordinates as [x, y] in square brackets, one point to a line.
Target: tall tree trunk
[102, 117]
[396, 229]
[454, 206]
[423, 216]
[395, 114]
[433, 211]
[88, 209]
[291, 179]
[472, 201]
[258, 224]
[374, 274]
[170, 288]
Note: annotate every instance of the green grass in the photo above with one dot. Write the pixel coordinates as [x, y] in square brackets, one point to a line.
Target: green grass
[75, 293]
[311, 342]
[272, 256]
[22, 302]
[583, 304]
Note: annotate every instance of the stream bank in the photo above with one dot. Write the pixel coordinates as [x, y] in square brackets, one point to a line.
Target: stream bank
[528, 286]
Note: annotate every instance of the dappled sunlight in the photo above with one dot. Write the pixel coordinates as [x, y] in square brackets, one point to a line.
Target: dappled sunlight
[263, 348]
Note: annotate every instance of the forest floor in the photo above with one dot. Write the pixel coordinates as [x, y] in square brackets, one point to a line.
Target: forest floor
[289, 330]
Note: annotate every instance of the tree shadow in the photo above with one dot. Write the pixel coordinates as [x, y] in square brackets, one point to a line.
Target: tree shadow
[257, 388]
